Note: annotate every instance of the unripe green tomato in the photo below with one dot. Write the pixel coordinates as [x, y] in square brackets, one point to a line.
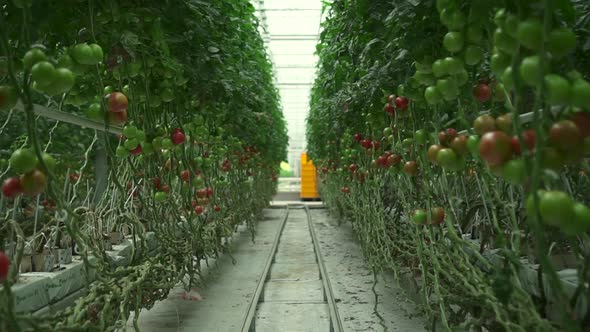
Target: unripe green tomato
[121, 151]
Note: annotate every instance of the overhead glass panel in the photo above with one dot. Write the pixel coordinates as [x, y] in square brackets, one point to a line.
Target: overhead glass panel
[290, 30]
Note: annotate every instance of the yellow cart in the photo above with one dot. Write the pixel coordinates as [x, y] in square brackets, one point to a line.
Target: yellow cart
[309, 184]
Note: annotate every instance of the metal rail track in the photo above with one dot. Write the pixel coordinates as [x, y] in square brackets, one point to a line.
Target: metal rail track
[248, 324]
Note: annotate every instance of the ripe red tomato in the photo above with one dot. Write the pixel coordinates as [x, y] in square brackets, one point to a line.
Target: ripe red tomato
[437, 215]
[217, 208]
[393, 160]
[366, 143]
[166, 188]
[345, 190]
[137, 150]
[202, 193]
[459, 144]
[199, 210]
[12, 187]
[483, 124]
[156, 182]
[389, 108]
[565, 135]
[401, 103]
[118, 117]
[117, 102]
[495, 148]
[4, 266]
[185, 175]
[482, 92]
[504, 122]
[34, 182]
[433, 152]
[358, 137]
[352, 168]
[582, 120]
[209, 191]
[443, 138]
[529, 137]
[411, 168]
[178, 137]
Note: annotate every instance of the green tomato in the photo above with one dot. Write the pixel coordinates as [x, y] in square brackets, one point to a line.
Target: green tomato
[131, 144]
[473, 144]
[453, 41]
[140, 135]
[473, 55]
[130, 131]
[531, 70]
[49, 161]
[83, 54]
[580, 93]
[407, 142]
[148, 148]
[499, 62]
[474, 34]
[23, 161]
[94, 112]
[557, 90]
[462, 77]
[561, 42]
[432, 95]
[387, 131]
[507, 78]
[32, 57]
[511, 24]
[581, 222]
[97, 54]
[64, 80]
[439, 68]
[530, 34]
[504, 42]
[8, 97]
[160, 196]
[121, 152]
[108, 90]
[167, 95]
[556, 208]
[167, 143]
[420, 136]
[447, 158]
[514, 171]
[43, 73]
[419, 217]
[448, 88]
[453, 65]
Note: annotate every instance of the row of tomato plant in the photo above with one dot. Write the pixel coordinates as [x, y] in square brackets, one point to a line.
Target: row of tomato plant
[474, 173]
[190, 85]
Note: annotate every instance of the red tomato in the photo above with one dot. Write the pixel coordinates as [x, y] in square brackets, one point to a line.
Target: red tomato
[483, 124]
[166, 188]
[582, 120]
[565, 135]
[482, 92]
[185, 175]
[117, 102]
[178, 137]
[202, 193]
[393, 160]
[199, 210]
[433, 152]
[12, 187]
[411, 168]
[209, 191]
[137, 150]
[352, 168]
[358, 137]
[34, 182]
[389, 109]
[459, 144]
[495, 148]
[401, 103]
[217, 208]
[437, 215]
[4, 266]
[345, 190]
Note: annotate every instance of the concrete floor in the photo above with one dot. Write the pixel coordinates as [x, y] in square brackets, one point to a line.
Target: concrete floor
[294, 280]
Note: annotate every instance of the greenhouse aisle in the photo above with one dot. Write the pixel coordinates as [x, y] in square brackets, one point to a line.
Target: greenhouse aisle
[223, 303]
